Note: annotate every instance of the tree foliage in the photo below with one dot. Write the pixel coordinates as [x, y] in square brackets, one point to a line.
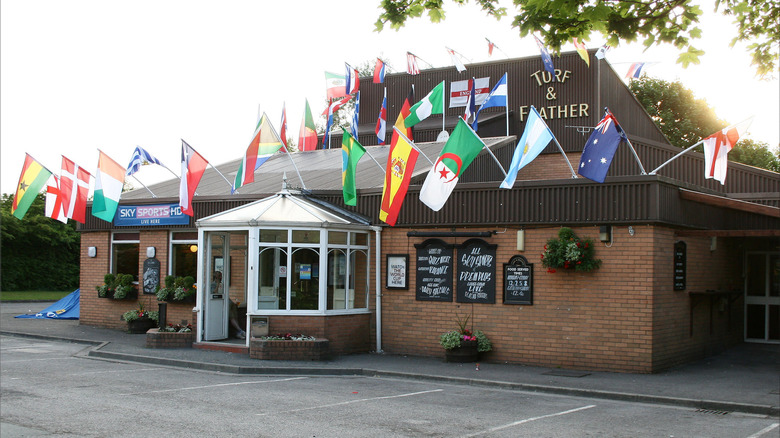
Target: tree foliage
[684, 120]
[38, 253]
[653, 22]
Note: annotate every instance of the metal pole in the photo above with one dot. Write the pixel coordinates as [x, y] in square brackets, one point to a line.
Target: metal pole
[636, 157]
[573, 175]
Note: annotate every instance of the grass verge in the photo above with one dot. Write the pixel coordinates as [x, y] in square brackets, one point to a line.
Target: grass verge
[33, 295]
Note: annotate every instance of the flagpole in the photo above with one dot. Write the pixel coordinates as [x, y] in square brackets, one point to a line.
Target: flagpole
[636, 157]
[429, 64]
[443, 110]
[696, 144]
[411, 143]
[223, 176]
[276, 134]
[375, 161]
[489, 151]
[573, 175]
[147, 188]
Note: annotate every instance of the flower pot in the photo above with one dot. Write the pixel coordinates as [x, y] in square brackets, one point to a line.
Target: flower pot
[467, 352]
[109, 294]
[140, 325]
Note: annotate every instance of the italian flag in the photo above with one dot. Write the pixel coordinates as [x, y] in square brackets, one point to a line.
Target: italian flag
[109, 180]
[459, 151]
[433, 103]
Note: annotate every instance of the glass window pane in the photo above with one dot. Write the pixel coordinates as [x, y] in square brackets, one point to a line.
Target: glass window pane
[360, 239]
[125, 259]
[273, 286]
[305, 287]
[774, 323]
[359, 280]
[756, 275]
[756, 317]
[774, 275]
[277, 236]
[337, 278]
[306, 236]
[337, 237]
[185, 260]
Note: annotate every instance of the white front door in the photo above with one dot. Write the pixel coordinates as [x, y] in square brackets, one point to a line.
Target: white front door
[762, 297]
[216, 298]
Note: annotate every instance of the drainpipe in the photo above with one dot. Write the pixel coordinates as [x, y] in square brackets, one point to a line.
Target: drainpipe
[378, 288]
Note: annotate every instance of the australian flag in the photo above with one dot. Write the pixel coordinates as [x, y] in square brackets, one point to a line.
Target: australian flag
[546, 59]
[600, 149]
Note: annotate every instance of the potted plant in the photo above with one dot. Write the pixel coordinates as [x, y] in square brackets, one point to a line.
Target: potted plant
[569, 252]
[184, 290]
[463, 344]
[140, 320]
[106, 290]
[165, 293]
[125, 288]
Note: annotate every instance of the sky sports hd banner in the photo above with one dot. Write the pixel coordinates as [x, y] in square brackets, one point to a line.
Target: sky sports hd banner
[161, 214]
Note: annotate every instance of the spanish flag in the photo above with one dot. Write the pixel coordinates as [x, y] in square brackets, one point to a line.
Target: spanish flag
[32, 180]
[400, 164]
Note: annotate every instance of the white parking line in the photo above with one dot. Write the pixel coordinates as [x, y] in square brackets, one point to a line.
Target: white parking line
[765, 430]
[20, 347]
[352, 401]
[528, 420]
[112, 371]
[214, 386]
[33, 360]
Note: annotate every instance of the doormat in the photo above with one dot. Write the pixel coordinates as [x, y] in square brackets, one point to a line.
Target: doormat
[566, 373]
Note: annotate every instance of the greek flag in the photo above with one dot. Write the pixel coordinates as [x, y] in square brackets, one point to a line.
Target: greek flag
[141, 158]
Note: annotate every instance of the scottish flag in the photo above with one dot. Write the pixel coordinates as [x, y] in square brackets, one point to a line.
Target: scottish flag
[141, 158]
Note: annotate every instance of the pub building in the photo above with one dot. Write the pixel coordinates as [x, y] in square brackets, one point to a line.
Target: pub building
[689, 267]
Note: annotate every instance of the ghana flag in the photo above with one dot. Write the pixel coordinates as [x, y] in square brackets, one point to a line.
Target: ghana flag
[31, 181]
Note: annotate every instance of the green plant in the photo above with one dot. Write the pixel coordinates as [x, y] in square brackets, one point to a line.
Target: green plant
[178, 328]
[166, 292]
[288, 337]
[109, 283]
[453, 338]
[124, 287]
[184, 288]
[569, 252]
[140, 312]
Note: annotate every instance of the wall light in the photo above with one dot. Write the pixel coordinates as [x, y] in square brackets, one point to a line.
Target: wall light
[521, 240]
[92, 251]
[193, 248]
[150, 251]
[605, 233]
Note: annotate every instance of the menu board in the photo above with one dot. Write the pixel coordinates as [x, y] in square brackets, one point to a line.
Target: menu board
[518, 281]
[476, 272]
[679, 265]
[434, 271]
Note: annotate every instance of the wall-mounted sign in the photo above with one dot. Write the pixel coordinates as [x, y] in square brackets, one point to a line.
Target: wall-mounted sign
[680, 251]
[518, 281]
[397, 277]
[434, 271]
[477, 272]
[161, 214]
[151, 275]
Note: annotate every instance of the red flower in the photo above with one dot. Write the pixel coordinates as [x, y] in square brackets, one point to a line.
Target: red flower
[578, 244]
[551, 270]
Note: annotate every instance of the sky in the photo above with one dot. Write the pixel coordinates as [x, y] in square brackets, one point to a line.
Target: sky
[81, 75]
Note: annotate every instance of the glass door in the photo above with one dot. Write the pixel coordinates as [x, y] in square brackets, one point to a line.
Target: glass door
[762, 297]
[216, 299]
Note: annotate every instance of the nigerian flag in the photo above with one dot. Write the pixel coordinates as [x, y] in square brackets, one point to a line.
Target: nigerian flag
[351, 152]
[433, 103]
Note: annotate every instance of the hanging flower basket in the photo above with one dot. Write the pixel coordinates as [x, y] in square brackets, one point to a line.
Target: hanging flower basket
[569, 252]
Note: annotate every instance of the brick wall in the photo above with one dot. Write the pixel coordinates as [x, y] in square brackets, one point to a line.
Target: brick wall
[604, 320]
[106, 312]
[347, 333]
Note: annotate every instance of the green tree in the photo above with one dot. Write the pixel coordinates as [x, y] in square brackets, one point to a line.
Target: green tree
[653, 22]
[755, 153]
[685, 119]
[38, 253]
[679, 114]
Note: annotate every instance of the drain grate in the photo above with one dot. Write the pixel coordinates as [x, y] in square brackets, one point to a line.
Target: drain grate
[711, 412]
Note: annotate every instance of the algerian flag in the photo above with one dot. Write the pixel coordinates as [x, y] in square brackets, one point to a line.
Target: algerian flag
[109, 180]
[433, 103]
[461, 149]
[351, 152]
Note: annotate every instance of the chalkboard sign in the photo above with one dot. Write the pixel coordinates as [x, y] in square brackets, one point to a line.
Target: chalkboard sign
[518, 281]
[151, 275]
[680, 257]
[477, 272]
[434, 271]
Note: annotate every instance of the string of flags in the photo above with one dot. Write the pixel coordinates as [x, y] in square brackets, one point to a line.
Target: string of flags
[66, 194]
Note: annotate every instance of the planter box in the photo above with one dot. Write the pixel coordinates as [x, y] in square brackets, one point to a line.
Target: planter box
[140, 325]
[467, 352]
[157, 339]
[317, 349]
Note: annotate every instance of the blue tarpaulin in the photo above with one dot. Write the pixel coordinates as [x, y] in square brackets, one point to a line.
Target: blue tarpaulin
[66, 308]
